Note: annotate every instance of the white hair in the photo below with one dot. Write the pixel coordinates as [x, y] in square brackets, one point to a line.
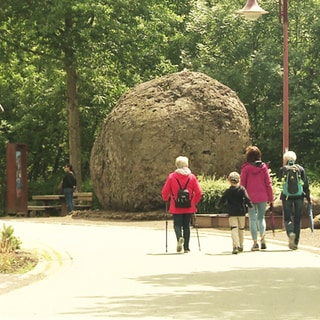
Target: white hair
[182, 162]
[234, 177]
[289, 155]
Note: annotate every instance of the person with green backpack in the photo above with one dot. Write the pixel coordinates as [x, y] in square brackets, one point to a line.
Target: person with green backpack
[295, 187]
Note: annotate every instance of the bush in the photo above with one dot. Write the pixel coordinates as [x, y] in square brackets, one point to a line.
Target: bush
[8, 242]
[212, 190]
[12, 260]
[315, 190]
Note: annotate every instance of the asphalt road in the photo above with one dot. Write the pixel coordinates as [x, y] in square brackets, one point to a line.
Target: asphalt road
[116, 271]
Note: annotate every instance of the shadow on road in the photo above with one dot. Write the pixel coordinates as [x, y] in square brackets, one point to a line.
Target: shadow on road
[271, 293]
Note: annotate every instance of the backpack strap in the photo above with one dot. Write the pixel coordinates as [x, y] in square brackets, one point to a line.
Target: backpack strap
[185, 187]
[179, 183]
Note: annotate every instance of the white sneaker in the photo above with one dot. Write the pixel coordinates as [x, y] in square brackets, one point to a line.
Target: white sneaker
[292, 237]
[180, 244]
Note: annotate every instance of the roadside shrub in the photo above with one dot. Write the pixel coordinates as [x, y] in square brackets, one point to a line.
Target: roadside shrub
[315, 189]
[212, 189]
[13, 260]
[8, 242]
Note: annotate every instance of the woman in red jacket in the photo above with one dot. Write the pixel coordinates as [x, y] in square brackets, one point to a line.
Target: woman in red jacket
[182, 178]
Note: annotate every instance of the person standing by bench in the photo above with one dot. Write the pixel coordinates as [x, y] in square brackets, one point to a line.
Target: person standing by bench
[69, 184]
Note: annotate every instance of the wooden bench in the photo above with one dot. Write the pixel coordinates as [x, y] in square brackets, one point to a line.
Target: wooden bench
[56, 202]
[52, 203]
[33, 210]
[82, 200]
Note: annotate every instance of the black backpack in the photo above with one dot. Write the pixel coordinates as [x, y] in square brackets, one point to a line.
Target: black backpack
[183, 200]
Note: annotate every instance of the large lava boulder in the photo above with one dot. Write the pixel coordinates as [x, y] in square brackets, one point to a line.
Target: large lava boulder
[185, 113]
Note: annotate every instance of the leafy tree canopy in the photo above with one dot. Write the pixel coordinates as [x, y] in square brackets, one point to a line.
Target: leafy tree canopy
[113, 45]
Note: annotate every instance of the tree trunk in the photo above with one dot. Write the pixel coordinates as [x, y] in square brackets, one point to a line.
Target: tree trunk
[73, 110]
[74, 124]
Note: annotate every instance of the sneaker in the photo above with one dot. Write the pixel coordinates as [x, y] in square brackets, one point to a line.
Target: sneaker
[263, 244]
[255, 247]
[292, 237]
[180, 244]
[295, 247]
[235, 250]
[240, 249]
[186, 250]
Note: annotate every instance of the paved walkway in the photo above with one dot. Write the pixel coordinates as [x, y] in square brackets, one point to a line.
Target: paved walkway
[112, 271]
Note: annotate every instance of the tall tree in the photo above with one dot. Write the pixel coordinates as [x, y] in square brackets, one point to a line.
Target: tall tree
[72, 102]
[247, 56]
[103, 48]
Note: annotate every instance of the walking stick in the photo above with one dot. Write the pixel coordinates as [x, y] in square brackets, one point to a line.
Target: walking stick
[272, 222]
[310, 214]
[195, 225]
[166, 227]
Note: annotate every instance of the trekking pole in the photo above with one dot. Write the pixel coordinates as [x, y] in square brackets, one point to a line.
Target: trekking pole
[166, 227]
[195, 225]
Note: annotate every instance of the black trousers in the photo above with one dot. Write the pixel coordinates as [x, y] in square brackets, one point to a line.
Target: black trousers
[181, 224]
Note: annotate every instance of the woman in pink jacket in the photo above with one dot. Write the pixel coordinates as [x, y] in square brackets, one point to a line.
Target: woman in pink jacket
[183, 177]
[256, 179]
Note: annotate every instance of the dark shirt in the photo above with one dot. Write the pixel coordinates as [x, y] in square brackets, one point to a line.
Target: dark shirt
[237, 200]
[69, 181]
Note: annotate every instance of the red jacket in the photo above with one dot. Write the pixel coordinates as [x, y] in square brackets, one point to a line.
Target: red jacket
[171, 188]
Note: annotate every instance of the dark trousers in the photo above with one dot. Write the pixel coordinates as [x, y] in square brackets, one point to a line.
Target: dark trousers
[292, 211]
[68, 195]
[181, 224]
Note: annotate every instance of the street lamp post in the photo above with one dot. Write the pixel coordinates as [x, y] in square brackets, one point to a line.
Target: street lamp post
[253, 11]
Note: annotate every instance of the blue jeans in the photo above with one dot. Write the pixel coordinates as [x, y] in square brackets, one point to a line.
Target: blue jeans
[257, 219]
[292, 212]
[68, 195]
[182, 222]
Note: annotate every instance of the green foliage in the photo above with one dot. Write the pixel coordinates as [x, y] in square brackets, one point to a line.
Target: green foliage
[212, 189]
[276, 184]
[44, 186]
[8, 242]
[3, 129]
[315, 190]
[247, 57]
[87, 187]
[115, 45]
[112, 46]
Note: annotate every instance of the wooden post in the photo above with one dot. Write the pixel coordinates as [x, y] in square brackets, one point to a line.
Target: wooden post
[17, 189]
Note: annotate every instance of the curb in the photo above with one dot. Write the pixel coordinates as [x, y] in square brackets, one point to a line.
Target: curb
[50, 261]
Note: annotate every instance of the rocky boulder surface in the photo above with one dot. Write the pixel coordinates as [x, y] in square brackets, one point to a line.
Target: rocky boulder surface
[185, 113]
